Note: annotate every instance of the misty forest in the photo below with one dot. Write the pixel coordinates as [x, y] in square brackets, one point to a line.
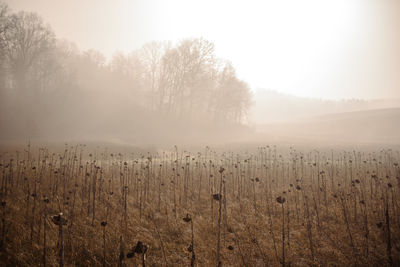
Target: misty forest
[164, 154]
[49, 87]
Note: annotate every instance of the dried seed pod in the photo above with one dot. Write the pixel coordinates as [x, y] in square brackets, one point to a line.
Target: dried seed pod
[188, 218]
[59, 219]
[280, 200]
[140, 248]
[217, 197]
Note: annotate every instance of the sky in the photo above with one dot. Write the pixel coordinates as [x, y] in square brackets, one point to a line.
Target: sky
[330, 49]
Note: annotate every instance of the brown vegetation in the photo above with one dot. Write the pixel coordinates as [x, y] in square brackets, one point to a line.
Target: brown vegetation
[97, 208]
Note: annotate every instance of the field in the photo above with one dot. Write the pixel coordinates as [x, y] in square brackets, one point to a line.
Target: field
[95, 207]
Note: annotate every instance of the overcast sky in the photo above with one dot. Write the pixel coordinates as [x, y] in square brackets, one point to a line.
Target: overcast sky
[315, 48]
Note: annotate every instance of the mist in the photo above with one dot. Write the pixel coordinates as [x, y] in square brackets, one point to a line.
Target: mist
[51, 90]
[199, 133]
[123, 86]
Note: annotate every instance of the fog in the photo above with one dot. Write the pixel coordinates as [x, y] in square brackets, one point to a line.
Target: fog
[192, 91]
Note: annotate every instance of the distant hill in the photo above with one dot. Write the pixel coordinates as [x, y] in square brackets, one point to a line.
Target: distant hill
[379, 126]
[272, 106]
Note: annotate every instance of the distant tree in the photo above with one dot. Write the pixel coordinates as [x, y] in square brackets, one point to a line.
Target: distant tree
[4, 26]
[151, 56]
[67, 55]
[26, 40]
[128, 74]
[232, 97]
[186, 76]
[92, 71]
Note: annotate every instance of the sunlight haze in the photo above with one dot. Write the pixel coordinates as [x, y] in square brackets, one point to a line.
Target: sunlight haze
[199, 133]
[323, 49]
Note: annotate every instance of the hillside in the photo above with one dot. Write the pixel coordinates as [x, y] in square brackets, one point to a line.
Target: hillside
[379, 126]
[273, 106]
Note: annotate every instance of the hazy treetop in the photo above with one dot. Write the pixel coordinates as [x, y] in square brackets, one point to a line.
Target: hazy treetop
[330, 49]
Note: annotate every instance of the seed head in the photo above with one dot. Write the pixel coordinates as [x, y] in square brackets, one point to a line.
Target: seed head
[217, 197]
[139, 248]
[59, 219]
[187, 218]
[280, 200]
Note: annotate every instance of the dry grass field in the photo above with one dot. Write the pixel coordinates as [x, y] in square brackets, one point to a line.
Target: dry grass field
[82, 207]
[199, 133]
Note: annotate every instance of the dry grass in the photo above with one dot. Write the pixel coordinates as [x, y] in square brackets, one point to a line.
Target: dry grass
[340, 209]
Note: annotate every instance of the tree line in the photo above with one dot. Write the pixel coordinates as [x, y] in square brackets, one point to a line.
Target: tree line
[182, 81]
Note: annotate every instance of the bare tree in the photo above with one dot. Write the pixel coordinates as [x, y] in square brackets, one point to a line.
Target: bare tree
[187, 73]
[4, 26]
[26, 40]
[151, 55]
[232, 97]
